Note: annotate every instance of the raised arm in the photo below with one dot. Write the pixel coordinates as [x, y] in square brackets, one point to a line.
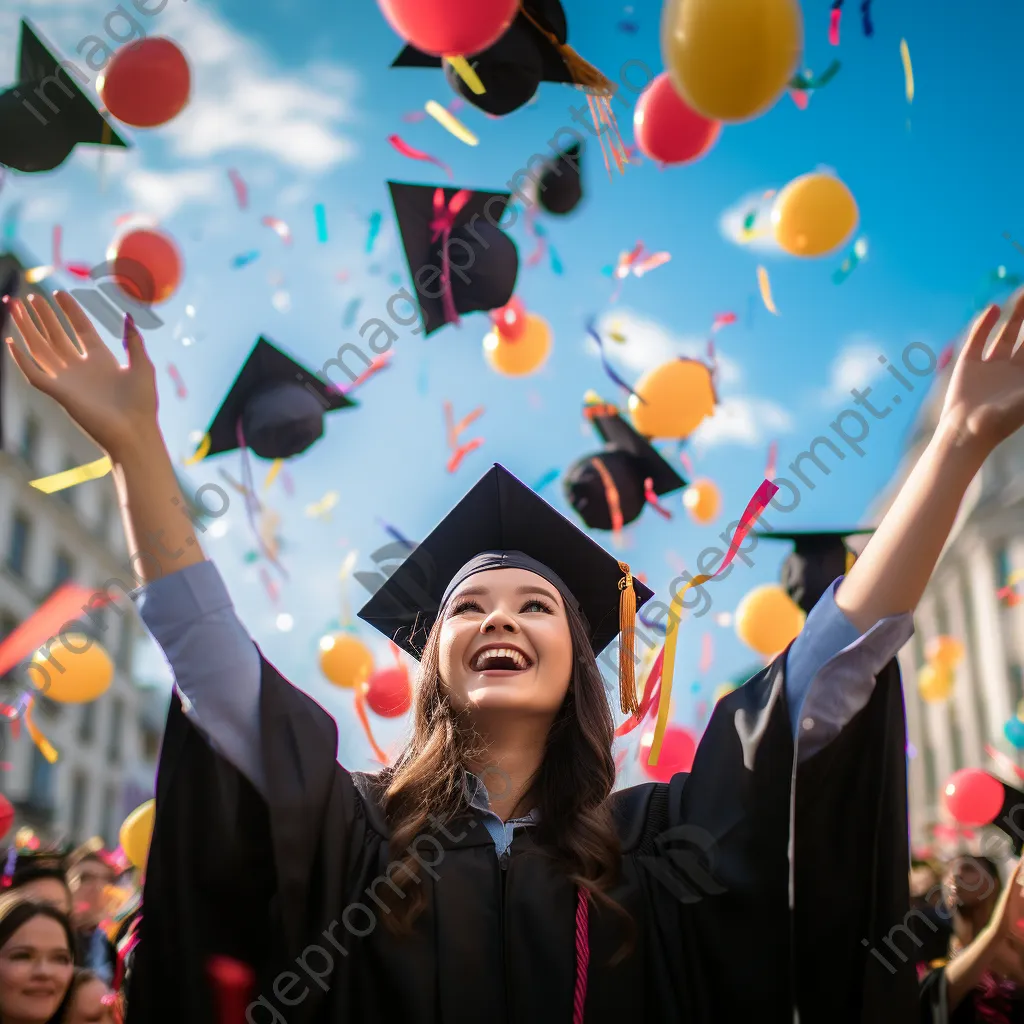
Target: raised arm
[984, 405]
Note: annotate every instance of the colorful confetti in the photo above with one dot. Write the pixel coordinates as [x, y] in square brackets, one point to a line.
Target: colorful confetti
[418, 154]
[241, 192]
[349, 317]
[375, 221]
[71, 477]
[395, 534]
[450, 123]
[548, 478]
[453, 430]
[321, 222]
[851, 260]
[908, 70]
[179, 384]
[321, 509]
[465, 71]
[245, 258]
[279, 227]
[377, 364]
[807, 82]
[612, 375]
[765, 287]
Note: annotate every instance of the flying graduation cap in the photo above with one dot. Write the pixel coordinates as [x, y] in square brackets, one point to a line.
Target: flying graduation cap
[819, 560]
[46, 113]
[482, 261]
[532, 50]
[627, 463]
[560, 185]
[275, 407]
[502, 523]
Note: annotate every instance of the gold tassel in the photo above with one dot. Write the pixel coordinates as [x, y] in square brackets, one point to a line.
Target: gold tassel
[627, 626]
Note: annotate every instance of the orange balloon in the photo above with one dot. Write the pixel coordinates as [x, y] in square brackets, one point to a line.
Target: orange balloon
[526, 354]
[147, 266]
[673, 399]
[345, 661]
[767, 619]
[945, 652]
[703, 500]
[814, 215]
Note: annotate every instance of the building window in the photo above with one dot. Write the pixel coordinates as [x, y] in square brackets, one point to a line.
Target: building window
[150, 744]
[116, 728]
[17, 546]
[977, 690]
[110, 822]
[125, 645]
[30, 440]
[955, 738]
[1016, 686]
[63, 569]
[41, 786]
[87, 723]
[79, 802]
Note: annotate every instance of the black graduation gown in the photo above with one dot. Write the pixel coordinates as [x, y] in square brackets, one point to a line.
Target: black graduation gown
[288, 884]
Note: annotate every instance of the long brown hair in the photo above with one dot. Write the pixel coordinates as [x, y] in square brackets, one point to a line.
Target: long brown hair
[570, 790]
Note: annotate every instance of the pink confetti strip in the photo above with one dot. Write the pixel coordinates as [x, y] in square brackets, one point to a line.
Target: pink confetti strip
[57, 234]
[179, 383]
[833, 26]
[241, 191]
[722, 320]
[279, 227]
[462, 451]
[652, 262]
[773, 454]
[707, 653]
[418, 154]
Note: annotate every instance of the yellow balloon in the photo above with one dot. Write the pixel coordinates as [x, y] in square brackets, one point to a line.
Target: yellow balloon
[87, 670]
[345, 661]
[136, 833]
[767, 619]
[945, 652]
[676, 398]
[731, 59]
[934, 684]
[703, 500]
[814, 215]
[526, 354]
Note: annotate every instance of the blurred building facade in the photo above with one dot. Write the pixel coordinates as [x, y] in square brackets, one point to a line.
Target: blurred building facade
[108, 748]
[985, 547]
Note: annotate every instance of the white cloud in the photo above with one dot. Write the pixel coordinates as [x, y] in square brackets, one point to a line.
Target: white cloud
[856, 365]
[761, 237]
[161, 193]
[649, 343]
[743, 420]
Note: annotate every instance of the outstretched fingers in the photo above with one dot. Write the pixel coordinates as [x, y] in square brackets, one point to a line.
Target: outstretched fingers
[39, 347]
[53, 329]
[38, 378]
[88, 340]
[1007, 337]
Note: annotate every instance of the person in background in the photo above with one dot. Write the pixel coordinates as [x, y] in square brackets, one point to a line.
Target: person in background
[90, 1000]
[36, 961]
[930, 919]
[982, 982]
[925, 883]
[42, 876]
[90, 880]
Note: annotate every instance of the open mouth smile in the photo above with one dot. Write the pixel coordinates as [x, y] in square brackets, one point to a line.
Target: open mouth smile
[500, 658]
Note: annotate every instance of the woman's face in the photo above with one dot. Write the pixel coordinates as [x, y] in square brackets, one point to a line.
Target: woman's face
[505, 644]
[35, 971]
[968, 884]
[91, 1004]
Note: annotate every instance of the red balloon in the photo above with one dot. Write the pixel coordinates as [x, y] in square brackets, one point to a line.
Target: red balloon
[666, 129]
[974, 797]
[6, 815]
[450, 28]
[146, 83]
[147, 266]
[388, 692]
[510, 320]
[677, 751]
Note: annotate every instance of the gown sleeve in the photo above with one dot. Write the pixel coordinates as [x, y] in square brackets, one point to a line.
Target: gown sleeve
[786, 872]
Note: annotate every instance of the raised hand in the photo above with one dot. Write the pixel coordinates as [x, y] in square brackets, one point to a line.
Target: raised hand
[985, 399]
[113, 404]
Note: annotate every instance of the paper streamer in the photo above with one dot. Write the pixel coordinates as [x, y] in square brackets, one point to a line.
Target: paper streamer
[321, 222]
[465, 71]
[179, 384]
[320, 509]
[773, 454]
[364, 721]
[71, 477]
[241, 192]
[201, 452]
[1004, 762]
[450, 123]
[833, 22]
[418, 154]
[851, 260]
[757, 504]
[375, 221]
[46, 748]
[395, 534]
[908, 70]
[548, 478]
[377, 364]
[349, 316]
[461, 452]
[279, 227]
[612, 375]
[805, 81]
[276, 468]
[765, 287]
[651, 695]
[245, 258]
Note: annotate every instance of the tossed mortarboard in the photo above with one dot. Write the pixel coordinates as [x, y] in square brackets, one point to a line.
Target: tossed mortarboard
[8, 286]
[46, 114]
[278, 403]
[503, 523]
[560, 185]
[482, 283]
[820, 558]
[1010, 819]
[629, 460]
[513, 68]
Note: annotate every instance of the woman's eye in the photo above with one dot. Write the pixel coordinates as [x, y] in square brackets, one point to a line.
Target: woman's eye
[535, 605]
[465, 606]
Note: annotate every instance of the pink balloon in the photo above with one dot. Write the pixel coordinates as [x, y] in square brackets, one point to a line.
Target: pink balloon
[677, 751]
[510, 320]
[667, 129]
[450, 28]
[388, 692]
[973, 797]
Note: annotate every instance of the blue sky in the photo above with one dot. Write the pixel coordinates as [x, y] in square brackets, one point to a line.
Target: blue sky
[300, 100]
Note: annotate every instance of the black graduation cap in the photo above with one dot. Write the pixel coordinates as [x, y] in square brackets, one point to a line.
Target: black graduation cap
[46, 114]
[501, 513]
[560, 186]
[513, 68]
[1010, 819]
[483, 283]
[281, 405]
[629, 459]
[819, 560]
[8, 286]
